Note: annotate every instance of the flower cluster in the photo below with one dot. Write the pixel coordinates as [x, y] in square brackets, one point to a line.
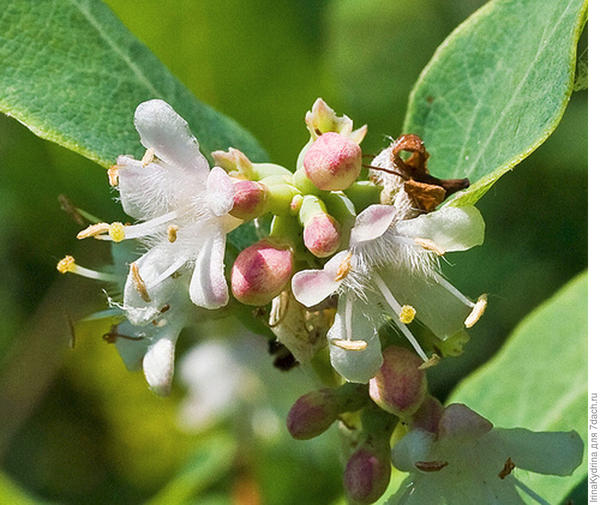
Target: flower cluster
[352, 249]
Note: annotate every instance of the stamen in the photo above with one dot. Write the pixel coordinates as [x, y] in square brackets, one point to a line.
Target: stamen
[350, 345]
[140, 286]
[444, 283]
[67, 264]
[429, 245]
[172, 232]
[113, 175]
[116, 231]
[477, 312]
[93, 230]
[508, 467]
[432, 361]
[148, 157]
[170, 271]
[344, 268]
[407, 314]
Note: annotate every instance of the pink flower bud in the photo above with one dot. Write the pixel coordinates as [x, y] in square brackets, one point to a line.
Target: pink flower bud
[312, 414]
[367, 474]
[322, 235]
[261, 272]
[249, 199]
[333, 162]
[428, 416]
[399, 386]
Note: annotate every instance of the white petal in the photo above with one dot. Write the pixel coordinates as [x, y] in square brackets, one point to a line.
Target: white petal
[449, 228]
[165, 131]
[372, 223]
[208, 287]
[159, 361]
[355, 365]
[313, 286]
[220, 192]
[131, 351]
[412, 447]
[556, 453]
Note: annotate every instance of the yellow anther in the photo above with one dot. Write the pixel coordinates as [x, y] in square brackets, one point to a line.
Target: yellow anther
[116, 231]
[148, 157]
[113, 175]
[344, 268]
[93, 230]
[430, 245]
[477, 312]
[139, 283]
[432, 361]
[67, 264]
[350, 345]
[172, 232]
[407, 314]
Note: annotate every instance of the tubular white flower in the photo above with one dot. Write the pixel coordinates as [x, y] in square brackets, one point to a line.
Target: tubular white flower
[182, 210]
[392, 264]
[469, 461]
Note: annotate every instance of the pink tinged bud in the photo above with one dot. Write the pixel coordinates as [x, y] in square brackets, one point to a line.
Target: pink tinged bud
[367, 474]
[333, 162]
[249, 199]
[261, 272]
[312, 414]
[322, 235]
[399, 386]
[428, 416]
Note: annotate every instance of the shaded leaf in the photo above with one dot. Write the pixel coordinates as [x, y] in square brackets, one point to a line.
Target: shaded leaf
[538, 380]
[496, 89]
[73, 74]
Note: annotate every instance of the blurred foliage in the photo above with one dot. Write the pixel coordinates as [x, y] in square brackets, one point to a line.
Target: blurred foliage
[90, 432]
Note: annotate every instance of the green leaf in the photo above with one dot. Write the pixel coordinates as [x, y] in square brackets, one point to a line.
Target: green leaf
[539, 379]
[73, 74]
[496, 89]
[13, 494]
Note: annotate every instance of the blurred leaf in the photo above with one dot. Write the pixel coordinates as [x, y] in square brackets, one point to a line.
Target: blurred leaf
[13, 494]
[539, 379]
[581, 70]
[212, 460]
[73, 74]
[496, 89]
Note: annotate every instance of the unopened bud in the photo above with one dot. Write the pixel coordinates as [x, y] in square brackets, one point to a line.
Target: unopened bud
[261, 272]
[428, 416]
[322, 235]
[312, 414]
[249, 199]
[399, 386]
[367, 474]
[333, 162]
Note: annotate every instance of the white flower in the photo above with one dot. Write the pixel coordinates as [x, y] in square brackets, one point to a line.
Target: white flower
[391, 265]
[469, 461]
[181, 206]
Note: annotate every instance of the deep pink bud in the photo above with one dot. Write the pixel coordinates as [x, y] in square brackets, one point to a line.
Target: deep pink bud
[322, 235]
[312, 414]
[428, 416]
[367, 474]
[399, 386]
[261, 272]
[249, 199]
[333, 162]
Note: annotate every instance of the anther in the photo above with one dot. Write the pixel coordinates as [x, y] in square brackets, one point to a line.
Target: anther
[350, 345]
[429, 245]
[477, 312]
[430, 466]
[93, 230]
[407, 314]
[172, 232]
[116, 231]
[67, 264]
[139, 283]
[508, 467]
[432, 361]
[113, 175]
[344, 268]
[148, 157]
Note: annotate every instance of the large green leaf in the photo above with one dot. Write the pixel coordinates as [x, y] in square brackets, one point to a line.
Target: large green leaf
[496, 89]
[73, 74]
[539, 379]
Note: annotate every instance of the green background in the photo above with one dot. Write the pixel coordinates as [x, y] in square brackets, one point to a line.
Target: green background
[77, 428]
